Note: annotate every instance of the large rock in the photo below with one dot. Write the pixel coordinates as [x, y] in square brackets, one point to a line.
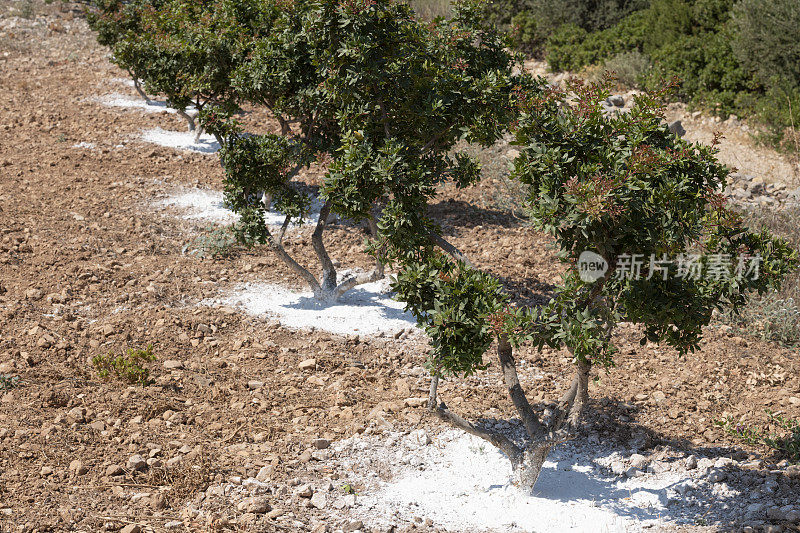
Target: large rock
[677, 128]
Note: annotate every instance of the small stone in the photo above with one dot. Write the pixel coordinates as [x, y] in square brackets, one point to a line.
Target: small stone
[255, 385]
[172, 364]
[137, 462]
[173, 524]
[304, 491]
[353, 526]
[264, 474]
[618, 468]
[78, 468]
[33, 294]
[131, 528]
[318, 500]
[257, 505]
[639, 461]
[633, 472]
[46, 470]
[107, 330]
[419, 437]
[616, 100]
[275, 513]
[77, 414]
[415, 402]
[114, 470]
[321, 444]
[691, 462]
[308, 364]
[305, 456]
[716, 475]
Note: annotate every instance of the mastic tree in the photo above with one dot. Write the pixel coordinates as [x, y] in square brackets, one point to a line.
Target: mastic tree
[637, 199]
[114, 21]
[379, 98]
[183, 50]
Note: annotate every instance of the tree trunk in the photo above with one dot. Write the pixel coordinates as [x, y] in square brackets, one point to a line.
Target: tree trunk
[138, 87]
[527, 471]
[189, 120]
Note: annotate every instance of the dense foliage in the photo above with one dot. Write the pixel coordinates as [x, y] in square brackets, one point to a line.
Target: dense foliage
[731, 57]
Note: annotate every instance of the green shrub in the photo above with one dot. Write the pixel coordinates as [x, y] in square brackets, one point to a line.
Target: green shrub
[774, 316]
[571, 47]
[216, 243]
[126, 367]
[767, 39]
[8, 382]
[609, 187]
[528, 35]
[628, 67]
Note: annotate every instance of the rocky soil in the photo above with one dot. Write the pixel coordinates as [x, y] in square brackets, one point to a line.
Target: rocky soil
[88, 266]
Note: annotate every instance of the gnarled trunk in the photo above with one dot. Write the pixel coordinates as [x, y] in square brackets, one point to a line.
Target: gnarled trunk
[527, 470]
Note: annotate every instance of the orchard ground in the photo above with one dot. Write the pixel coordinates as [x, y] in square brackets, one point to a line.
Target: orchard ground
[90, 265]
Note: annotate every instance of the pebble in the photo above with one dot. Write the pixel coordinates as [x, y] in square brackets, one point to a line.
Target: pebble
[172, 364]
[304, 491]
[308, 364]
[137, 462]
[319, 500]
[321, 444]
[78, 468]
[114, 470]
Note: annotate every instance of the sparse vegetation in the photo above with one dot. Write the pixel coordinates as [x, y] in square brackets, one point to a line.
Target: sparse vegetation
[780, 434]
[774, 316]
[128, 367]
[215, 243]
[8, 382]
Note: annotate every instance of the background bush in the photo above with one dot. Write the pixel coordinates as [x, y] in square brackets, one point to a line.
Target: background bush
[731, 56]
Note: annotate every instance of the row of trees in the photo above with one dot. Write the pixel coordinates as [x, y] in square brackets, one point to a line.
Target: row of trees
[381, 100]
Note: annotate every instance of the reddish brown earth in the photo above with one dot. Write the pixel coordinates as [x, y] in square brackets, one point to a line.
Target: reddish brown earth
[88, 266]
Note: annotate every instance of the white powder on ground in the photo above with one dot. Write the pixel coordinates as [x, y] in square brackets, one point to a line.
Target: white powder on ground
[201, 204]
[208, 205]
[364, 310]
[463, 483]
[83, 144]
[119, 100]
[182, 140]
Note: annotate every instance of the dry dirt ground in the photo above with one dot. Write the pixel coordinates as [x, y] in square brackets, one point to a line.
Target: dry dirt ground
[87, 267]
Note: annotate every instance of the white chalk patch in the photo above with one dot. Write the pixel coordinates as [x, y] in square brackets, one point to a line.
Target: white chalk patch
[120, 100]
[364, 310]
[209, 206]
[182, 140]
[201, 204]
[85, 145]
[463, 483]
[124, 81]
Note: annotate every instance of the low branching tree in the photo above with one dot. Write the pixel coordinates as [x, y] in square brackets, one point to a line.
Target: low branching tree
[629, 195]
[184, 50]
[379, 98]
[113, 21]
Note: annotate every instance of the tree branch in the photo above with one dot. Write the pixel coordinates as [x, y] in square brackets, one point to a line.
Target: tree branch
[283, 229]
[278, 248]
[512, 451]
[451, 250]
[328, 284]
[530, 421]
